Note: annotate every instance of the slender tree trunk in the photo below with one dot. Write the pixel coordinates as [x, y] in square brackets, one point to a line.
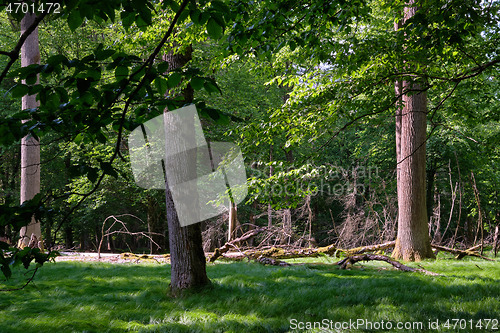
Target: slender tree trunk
[233, 221]
[188, 263]
[30, 147]
[412, 242]
[269, 207]
[431, 175]
[398, 88]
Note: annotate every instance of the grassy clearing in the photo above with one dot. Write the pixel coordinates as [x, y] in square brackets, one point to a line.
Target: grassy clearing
[248, 297]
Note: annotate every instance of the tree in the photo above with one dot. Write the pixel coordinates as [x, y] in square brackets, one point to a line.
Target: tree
[30, 147]
[187, 257]
[412, 242]
[348, 59]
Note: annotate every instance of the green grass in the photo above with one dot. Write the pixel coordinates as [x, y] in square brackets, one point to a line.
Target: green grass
[248, 297]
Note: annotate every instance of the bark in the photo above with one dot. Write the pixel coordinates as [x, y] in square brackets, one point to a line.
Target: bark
[496, 240]
[412, 243]
[480, 226]
[233, 221]
[269, 207]
[30, 147]
[188, 263]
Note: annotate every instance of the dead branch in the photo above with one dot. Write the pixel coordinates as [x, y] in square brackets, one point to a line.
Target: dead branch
[460, 253]
[370, 248]
[123, 230]
[370, 257]
[232, 244]
[474, 248]
[270, 261]
[288, 252]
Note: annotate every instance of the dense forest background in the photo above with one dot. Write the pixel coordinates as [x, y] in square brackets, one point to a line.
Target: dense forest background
[314, 120]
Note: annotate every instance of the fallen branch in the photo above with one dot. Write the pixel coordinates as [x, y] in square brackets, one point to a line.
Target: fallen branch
[270, 261]
[232, 244]
[460, 253]
[331, 250]
[370, 248]
[474, 247]
[370, 257]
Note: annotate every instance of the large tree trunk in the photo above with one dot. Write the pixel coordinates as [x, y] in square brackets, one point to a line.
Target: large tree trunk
[30, 147]
[188, 263]
[412, 241]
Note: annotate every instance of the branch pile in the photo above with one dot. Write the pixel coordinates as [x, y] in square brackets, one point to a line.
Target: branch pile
[286, 252]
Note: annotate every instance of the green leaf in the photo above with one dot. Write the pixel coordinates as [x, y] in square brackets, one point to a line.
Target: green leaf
[163, 67]
[195, 16]
[108, 169]
[145, 14]
[211, 87]
[197, 82]
[4, 246]
[57, 59]
[104, 54]
[214, 30]
[82, 85]
[6, 271]
[161, 85]
[174, 80]
[121, 72]
[79, 138]
[218, 18]
[94, 73]
[127, 19]
[74, 20]
[19, 90]
[92, 174]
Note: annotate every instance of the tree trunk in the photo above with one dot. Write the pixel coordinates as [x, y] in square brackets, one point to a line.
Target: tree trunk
[412, 242]
[30, 147]
[188, 263]
[269, 206]
[233, 221]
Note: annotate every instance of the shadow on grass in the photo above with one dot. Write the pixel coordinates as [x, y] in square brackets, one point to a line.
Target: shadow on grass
[78, 297]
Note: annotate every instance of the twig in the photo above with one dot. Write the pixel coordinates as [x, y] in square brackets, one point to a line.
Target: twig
[25, 285]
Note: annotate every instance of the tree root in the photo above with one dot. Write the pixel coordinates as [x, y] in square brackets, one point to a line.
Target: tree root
[370, 257]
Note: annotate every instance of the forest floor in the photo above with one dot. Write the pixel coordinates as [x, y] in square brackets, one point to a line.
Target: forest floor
[76, 296]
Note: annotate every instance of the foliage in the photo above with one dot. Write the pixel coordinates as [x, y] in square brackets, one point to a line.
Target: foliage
[304, 87]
